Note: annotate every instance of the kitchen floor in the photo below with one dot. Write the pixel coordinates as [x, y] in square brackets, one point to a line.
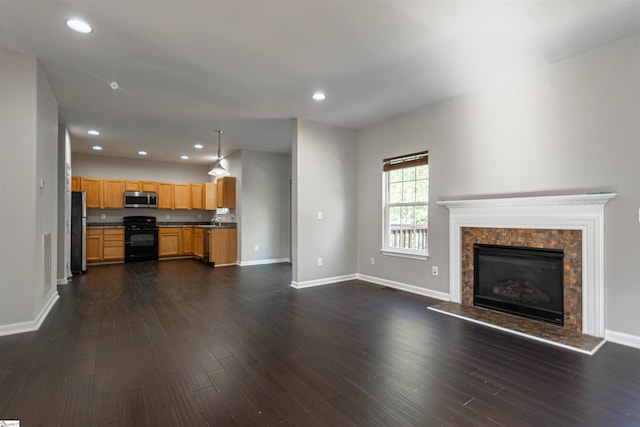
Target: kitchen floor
[177, 343]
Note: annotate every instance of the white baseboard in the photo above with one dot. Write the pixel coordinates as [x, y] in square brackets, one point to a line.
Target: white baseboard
[62, 281]
[405, 287]
[320, 282]
[263, 261]
[32, 325]
[622, 338]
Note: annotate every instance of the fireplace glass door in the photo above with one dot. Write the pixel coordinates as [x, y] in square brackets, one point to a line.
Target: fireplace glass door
[523, 281]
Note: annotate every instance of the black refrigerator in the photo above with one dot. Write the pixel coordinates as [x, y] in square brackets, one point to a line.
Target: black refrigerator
[78, 232]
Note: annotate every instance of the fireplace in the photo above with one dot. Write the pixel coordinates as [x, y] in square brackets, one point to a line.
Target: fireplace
[523, 281]
[574, 223]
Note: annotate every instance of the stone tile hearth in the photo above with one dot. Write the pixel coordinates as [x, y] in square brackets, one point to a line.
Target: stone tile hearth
[540, 331]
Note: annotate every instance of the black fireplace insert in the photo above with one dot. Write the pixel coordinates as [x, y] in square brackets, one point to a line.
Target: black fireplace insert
[523, 281]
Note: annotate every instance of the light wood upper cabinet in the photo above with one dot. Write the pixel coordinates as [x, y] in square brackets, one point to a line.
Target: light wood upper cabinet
[112, 194]
[169, 241]
[93, 188]
[209, 192]
[130, 185]
[226, 192]
[94, 245]
[182, 196]
[76, 184]
[197, 193]
[150, 186]
[165, 195]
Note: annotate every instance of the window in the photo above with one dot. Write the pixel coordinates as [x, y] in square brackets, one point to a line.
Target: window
[406, 200]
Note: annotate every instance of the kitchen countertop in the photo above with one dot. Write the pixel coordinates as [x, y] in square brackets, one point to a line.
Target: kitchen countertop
[166, 224]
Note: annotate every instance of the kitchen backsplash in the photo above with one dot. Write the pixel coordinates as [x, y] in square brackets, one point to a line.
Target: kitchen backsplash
[162, 215]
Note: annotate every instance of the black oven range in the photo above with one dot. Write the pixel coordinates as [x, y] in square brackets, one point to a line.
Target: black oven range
[140, 238]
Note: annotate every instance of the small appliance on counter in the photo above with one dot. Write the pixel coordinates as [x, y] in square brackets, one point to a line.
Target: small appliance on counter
[140, 238]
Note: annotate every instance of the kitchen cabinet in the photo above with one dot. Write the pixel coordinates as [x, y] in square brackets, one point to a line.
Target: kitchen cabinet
[198, 248]
[197, 193]
[150, 186]
[182, 196]
[94, 243]
[130, 185]
[209, 199]
[105, 244]
[75, 183]
[165, 195]
[112, 190]
[186, 241]
[93, 188]
[113, 244]
[223, 246]
[226, 192]
[169, 242]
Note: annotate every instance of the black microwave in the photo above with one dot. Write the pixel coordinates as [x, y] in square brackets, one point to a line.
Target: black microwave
[137, 199]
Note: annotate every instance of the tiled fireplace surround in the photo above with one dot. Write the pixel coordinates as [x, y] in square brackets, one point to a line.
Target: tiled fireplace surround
[574, 223]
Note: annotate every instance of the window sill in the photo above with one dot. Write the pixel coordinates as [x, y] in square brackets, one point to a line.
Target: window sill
[404, 254]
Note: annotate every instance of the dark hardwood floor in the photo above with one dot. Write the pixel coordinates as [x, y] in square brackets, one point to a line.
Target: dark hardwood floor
[175, 343]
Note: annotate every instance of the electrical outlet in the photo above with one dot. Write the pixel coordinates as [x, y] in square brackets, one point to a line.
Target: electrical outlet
[320, 215]
[103, 216]
[373, 261]
[168, 216]
[256, 248]
[320, 262]
[434, 270]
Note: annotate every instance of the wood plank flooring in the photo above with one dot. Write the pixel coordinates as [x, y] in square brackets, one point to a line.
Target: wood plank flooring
[177, 343]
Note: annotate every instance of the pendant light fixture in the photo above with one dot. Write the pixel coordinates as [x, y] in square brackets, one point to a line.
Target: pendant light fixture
[218, 169]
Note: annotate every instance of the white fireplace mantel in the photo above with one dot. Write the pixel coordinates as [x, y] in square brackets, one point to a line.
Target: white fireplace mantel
[583, 212]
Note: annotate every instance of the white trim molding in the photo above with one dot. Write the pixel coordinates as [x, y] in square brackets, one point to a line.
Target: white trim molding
[404, 287]
[623, 339]
[321, 282]
[263, 261]
[32, 325]
[583, 212]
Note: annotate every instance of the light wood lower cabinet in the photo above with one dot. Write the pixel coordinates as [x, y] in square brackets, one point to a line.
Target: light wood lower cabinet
[198, 249]
[186, 241]
[169, 242]
[94, 244]
[113, 244]
[223, 246]
[105, 244]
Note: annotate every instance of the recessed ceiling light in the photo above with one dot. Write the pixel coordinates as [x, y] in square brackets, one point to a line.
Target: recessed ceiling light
[96, 147]
[79, 25]
[184, 157]
[198, 146]
[142, 153]
[93, 132]
[319, 96]
[114, 85]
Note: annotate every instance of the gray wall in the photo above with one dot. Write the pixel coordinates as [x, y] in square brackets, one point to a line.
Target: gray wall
[324, 181]
[265, 215]
[28, 131]
[571, 127]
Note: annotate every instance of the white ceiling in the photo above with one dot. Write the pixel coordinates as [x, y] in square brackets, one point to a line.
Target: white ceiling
[188, 67]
